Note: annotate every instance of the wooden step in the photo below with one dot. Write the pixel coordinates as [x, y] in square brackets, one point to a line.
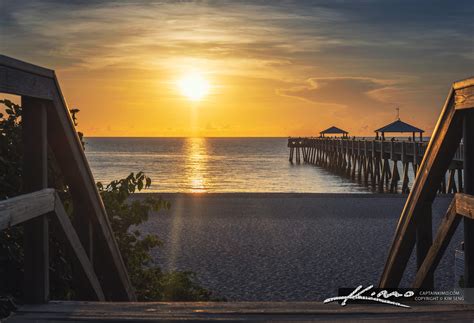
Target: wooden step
[205, 311]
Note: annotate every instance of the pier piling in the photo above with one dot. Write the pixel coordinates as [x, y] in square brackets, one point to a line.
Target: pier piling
[373, 163]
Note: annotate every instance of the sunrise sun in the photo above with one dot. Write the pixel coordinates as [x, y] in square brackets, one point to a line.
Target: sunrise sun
[194, 86]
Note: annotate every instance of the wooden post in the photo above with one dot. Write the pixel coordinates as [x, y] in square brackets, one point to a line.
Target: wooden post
[424, 240]
[460, 180]
[85, 232]
[395, 177]
[35, 177]
[468, 140]
[451, 182]
[415, 159]
[405, 182]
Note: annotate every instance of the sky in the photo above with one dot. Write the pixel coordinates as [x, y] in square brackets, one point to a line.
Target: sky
[274, 68]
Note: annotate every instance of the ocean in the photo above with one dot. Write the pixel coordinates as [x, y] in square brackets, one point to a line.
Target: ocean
[214, 165]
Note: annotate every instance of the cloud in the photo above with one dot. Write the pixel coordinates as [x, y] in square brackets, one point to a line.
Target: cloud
[276, 36]
[354, 92]
[422, 45]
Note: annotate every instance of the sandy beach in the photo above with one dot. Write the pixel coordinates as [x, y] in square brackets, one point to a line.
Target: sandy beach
[292, 247]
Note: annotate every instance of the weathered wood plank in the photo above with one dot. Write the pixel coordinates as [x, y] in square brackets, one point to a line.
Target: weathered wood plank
[21, 208]
[439, 153]
[26, 67]
[19, 82]
[205, 311]
[464, 98]
[463, 83]
[465, 205]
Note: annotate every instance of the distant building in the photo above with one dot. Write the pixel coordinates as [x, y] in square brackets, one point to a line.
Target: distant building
[334, 131]
[399, 126]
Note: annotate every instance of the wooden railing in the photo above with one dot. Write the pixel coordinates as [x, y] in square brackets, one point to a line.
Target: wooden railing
[47, 123]
[27, 207]
[367, 161]
[456, 122]
[398, 150]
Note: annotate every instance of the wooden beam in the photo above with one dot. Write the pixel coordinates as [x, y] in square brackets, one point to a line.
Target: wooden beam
[443, 237]
[424, 240]
[465, 205]
[79, 253]
[25, 67]
[463, 83]
[29, 206]
[464, 92]
[439, 153]
[19, 82]
[73, 163]
[85, 231]
[464, 98]
[35, 177]
[25, 207]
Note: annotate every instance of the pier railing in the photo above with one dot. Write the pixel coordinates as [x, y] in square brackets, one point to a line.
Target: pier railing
[368, 161]
[46, 123]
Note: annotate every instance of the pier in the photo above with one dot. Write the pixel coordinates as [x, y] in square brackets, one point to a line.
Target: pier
[374, 163]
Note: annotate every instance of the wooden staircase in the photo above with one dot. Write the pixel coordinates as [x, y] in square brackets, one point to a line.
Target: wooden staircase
[47, 123]
[102, 274]
[456, 122]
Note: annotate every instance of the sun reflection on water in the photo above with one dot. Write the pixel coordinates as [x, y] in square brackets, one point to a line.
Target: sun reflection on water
[196, 162]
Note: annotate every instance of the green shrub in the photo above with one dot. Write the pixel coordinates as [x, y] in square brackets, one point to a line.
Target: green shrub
[150, 282]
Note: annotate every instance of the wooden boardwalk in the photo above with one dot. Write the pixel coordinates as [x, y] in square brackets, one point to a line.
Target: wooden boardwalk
[100, 273]
[374, 163]
[256, 311]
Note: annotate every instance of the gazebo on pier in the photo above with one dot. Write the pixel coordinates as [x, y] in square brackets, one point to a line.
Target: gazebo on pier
[399, 126]
[334, 131]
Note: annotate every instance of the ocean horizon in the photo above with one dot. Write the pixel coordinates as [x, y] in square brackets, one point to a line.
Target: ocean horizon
[211, 165]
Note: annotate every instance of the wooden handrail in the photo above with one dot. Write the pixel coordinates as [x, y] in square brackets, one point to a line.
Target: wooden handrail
[25, 207]
[22, 208]
[27, 80]
[465, 205]
[461, 205]
[416, 215]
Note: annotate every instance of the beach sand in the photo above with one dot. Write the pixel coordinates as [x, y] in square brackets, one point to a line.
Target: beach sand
[285, 247]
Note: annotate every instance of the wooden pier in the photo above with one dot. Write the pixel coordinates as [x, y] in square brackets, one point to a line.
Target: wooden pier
[373, 163]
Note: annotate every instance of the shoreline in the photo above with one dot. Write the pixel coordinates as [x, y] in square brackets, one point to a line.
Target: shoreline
[276, 194]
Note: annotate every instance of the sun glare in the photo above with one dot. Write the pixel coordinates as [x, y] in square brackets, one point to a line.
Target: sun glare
[194, 86]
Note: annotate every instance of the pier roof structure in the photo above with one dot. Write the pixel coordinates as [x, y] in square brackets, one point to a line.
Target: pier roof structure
[399, 126]
[334, 130]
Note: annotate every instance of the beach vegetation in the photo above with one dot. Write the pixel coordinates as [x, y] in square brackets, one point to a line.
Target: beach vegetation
[124, 213]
